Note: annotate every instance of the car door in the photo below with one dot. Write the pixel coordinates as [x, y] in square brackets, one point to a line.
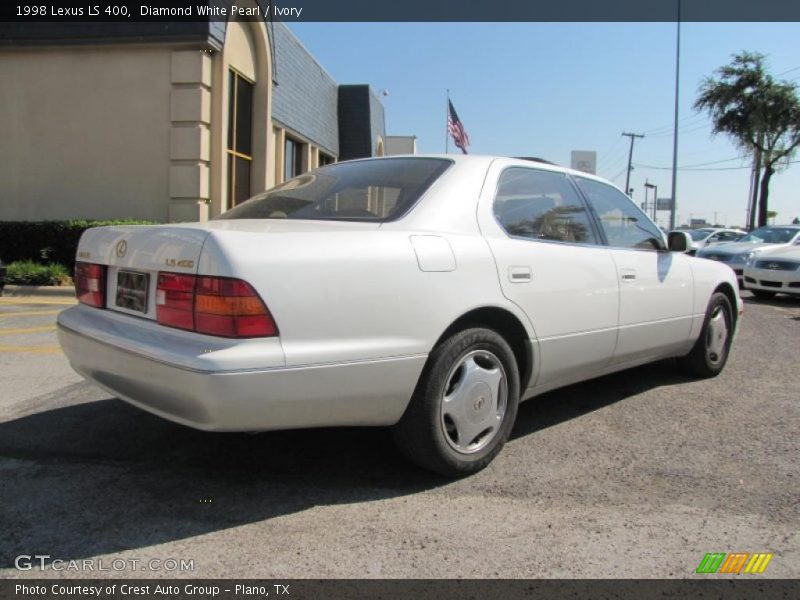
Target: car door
[551, 263]
[655, 286]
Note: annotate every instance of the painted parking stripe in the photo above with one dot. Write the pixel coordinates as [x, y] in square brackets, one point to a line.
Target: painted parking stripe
[31, 349]
[27, 330]
[31, 313]
[23, 301]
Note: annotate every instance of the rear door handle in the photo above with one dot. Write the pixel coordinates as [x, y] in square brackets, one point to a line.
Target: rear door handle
[519, 274]
[627, 274]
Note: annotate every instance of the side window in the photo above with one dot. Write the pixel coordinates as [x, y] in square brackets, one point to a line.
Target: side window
[541, 205]
[717, 237]
[623, 223]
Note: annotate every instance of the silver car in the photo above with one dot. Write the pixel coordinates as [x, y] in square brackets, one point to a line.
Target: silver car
[736, 254]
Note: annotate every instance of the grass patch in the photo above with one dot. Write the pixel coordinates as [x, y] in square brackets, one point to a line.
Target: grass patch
[28, 272]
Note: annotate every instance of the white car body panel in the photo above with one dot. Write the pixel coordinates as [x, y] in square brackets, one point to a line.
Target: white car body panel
[360, 305]
[655, 313]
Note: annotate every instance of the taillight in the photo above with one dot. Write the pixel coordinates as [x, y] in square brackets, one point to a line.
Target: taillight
[175, 300]
[90, 284]
[218, 306]
[230, 308]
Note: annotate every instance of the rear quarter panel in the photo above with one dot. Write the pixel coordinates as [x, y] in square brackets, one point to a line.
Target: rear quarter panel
[355, 295]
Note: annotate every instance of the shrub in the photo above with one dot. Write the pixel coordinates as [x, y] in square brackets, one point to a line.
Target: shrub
[27, 272]
[47, 241]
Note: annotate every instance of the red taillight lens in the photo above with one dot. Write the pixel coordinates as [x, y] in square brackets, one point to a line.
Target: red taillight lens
[90, 284]
[218, 306]
[230, 308]
[175, 300]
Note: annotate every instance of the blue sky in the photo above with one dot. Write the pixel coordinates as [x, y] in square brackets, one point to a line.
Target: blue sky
[544, 89]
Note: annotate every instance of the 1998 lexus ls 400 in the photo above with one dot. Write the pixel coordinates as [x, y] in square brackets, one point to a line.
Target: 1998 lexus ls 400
[429, 293]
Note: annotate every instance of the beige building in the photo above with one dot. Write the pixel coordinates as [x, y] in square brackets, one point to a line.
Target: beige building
[175, 123]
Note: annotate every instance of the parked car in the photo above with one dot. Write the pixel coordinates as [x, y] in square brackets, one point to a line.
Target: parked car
[736, 254]
[430, 294]
[711, 235]
[773, 272]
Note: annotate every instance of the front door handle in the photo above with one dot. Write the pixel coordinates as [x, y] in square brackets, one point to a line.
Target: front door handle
[627, 274]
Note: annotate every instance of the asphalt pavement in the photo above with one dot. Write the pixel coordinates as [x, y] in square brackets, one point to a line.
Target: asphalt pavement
[638, 474]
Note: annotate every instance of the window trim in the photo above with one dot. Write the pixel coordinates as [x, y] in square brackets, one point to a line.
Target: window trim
[599, 221]
[600, 240]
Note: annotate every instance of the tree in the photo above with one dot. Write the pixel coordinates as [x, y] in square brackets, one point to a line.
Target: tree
[760, 114]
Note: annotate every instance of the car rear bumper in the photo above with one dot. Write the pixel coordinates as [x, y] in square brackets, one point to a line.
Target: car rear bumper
[768, 280]
[374, 392]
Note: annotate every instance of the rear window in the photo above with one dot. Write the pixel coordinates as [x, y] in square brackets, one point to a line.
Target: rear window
[365, 190]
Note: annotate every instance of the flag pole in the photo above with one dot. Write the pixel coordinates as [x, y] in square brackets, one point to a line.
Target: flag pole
[446, 121]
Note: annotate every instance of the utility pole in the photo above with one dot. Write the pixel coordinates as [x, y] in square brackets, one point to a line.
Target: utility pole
[675, 124]
[633, 136]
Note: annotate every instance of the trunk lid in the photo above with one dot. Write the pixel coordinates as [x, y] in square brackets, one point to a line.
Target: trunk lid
[134, 254]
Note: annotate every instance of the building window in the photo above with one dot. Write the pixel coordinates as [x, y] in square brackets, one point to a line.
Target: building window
[240, 138]
[325, 159]
[292, 158]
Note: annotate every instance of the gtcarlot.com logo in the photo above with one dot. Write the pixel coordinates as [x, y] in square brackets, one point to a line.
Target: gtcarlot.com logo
[27, 562]
[734, 563]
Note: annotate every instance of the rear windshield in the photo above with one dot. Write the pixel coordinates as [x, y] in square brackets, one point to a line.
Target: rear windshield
[364, 190]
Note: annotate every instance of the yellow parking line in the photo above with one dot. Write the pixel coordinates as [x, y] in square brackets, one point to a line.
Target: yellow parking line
[31, 349]
[31, 313]
[27, 330]
[29, 300]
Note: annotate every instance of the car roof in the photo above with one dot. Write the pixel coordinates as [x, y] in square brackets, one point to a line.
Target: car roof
[486, 160]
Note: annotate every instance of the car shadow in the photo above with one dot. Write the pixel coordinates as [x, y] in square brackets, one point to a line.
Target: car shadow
[564, 404]
[102, 477]
[781, 300]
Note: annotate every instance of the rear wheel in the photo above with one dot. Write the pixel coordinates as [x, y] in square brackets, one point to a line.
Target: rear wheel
[763, 294]
[464, 406]
[710, 352]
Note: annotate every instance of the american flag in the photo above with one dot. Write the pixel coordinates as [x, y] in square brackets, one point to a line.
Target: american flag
[456, 129]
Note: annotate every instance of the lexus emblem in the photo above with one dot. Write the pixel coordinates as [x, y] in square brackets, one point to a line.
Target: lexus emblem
[122, 248]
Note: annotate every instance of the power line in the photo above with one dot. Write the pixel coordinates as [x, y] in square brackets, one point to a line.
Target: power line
[689, 168]
[683, 121]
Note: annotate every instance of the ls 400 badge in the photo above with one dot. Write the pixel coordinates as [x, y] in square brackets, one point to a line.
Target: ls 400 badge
[184, 263]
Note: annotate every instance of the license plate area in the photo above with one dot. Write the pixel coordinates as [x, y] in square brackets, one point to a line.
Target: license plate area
[132, 290]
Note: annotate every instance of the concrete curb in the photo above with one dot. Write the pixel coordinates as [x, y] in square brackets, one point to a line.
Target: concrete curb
[48, 291]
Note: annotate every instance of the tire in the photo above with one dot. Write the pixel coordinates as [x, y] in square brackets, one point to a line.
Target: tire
[710, 353]
[464, 406]
[762, 294]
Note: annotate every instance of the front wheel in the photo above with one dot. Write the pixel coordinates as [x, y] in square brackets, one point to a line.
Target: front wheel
[465, 404]
[710, 352]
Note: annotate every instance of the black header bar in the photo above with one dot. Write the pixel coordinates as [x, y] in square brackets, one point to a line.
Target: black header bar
[65, 11]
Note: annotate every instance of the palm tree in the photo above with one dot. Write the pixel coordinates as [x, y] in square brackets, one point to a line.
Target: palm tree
[760, 114]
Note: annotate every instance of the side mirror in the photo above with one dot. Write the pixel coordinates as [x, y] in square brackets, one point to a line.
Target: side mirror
[679, 241]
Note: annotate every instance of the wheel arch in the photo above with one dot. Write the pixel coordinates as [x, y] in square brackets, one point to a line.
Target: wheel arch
[508, 325]
[730, 293]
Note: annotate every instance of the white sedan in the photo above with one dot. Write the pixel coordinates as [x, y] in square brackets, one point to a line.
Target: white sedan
[430, 294]
[708, 236]
[774, 271]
